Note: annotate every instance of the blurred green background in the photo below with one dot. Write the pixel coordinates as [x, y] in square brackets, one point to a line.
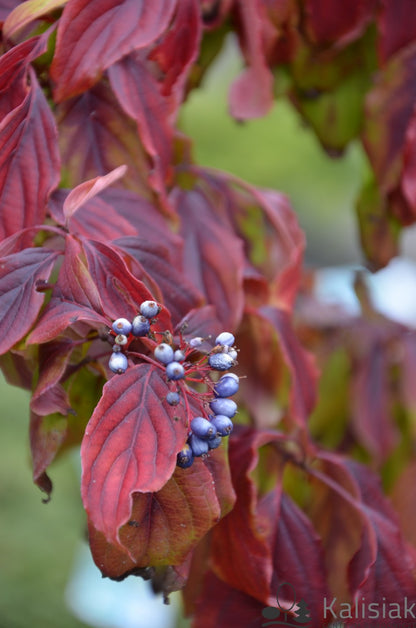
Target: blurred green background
[38, 542]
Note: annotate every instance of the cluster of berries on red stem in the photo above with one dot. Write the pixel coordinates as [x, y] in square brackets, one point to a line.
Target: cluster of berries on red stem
[194, 362]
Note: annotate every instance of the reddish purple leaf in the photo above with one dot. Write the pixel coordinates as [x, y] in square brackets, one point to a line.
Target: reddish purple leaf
[165, 526]
[130, 445]
[19, 301]
[178, 49]
[138, 92]
[87, 190]
[389, 108]
[92, 36]
[251, 94]
[26, 13]
[6, 7]
[370, 396]
[213, 255]
[159, 270]
[95, 220]
[49, 396]
[243, 537]
[326, 26]
[29, 161]
[271, 327]
[396, 26]
[120, 292]
[47, 433]
[231, 607]
[111, 140]
[297, 555]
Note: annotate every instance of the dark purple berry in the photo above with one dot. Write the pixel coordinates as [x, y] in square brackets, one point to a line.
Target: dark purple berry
[175, 371]
[203, 428]
[226, 386]
[215, 442]
[173, 398]
[198, 445]
[118, 363]
[220, 361]
[141, 326]
[222, 424]
[227, 407]
[185, 457]
[225, 338]
[164, 353]
[149, 309]
[122, 326]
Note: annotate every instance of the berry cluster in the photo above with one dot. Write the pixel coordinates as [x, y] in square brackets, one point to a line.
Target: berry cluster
[125, 331]
[188, 364]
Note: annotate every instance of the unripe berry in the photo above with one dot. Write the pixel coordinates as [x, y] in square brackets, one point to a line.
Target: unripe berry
[173, 398]
[122, 326]
[149, 309]
[199, 447]
[203, 428]
[225, 338]
[118, 363]
[120, 339]
[220, 361]
[226, 386]
[185, 457]
[222, 424]
[175, 371]
[227, 407]
[164, 353]
[141, 326]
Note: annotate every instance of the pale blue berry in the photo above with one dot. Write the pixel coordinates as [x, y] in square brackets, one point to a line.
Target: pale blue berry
[203, 428]
[149, 309]
[220, 361]
[222, 424]
[164, 353]
[140, 326]
[122, 326]
[225, 338]
[227, 407]
[198, 445]
[118, 363]
[179, 355]
[226, 385]
[174, 370]
[173, 398]
[215, 442]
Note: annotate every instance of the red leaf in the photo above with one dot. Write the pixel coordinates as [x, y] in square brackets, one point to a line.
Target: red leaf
[111, 140]
[264, 328]
[326, 26]
[251, 94]
[213, 255]
[19, 301]
[159, 271]
[49, 396]
[87, 190]
[29, 161]
[231, 607]
[165, 526]
[130, 445]
[243, 537]
[370, 396]
[396, 26]
[75, 282]
[26, 13]
[138, 93]
[178, 50]
[47, 433]
[389, 108]
[297, 555]
[93, 36]
[96, 219]
[120, 292]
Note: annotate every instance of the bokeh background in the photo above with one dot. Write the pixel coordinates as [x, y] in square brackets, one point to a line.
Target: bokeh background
[47, 579]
